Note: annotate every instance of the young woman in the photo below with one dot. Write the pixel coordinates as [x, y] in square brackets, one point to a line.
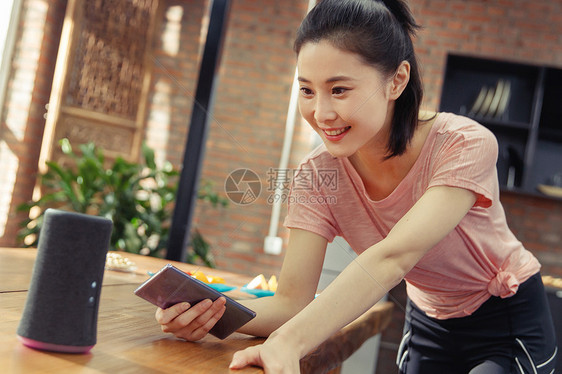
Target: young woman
[417, 198]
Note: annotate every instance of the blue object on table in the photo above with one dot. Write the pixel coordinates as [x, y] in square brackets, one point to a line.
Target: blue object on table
[257, 292]
[221, 287]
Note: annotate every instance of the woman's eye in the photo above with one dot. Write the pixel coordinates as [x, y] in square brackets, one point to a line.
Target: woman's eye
[338, 90]
[306, 91]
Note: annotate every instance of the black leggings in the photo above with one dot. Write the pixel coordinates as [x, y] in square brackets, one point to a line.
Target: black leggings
[504, 336]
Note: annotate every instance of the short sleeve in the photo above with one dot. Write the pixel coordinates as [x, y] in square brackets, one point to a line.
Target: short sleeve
[308, 207]
[467, 159]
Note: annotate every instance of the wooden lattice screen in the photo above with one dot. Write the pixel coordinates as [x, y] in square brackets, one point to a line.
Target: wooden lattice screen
[102, 76]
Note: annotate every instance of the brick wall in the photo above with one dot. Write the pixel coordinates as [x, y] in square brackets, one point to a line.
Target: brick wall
[251, 109]
[22, 122]
[537, 222]
[175, 62]
[248, 122]
[517, 30]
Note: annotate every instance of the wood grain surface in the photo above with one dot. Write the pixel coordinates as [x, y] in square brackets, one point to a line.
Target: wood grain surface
[129, 339]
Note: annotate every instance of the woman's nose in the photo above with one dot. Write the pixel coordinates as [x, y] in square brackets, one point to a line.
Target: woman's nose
[324, 111]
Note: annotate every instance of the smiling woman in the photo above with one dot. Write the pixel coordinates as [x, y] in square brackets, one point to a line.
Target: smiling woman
[343, 97]
[417, 198]
[380, 39]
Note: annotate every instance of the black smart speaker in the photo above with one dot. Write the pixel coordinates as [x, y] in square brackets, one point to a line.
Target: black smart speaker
[61, 309]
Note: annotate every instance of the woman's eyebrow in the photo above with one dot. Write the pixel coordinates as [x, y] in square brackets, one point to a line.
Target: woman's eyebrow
[338, 78]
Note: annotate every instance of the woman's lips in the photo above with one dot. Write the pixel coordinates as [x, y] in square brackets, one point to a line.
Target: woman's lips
[336, 134]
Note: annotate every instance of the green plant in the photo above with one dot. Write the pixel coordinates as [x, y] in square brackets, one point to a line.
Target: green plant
[137, 197]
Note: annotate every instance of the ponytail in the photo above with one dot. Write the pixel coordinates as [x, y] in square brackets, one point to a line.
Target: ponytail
[380, 32]
[401, 12]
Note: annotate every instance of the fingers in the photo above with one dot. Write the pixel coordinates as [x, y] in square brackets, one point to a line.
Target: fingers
[165, 316]
[272, 357]
[208, 314]
[246, 357]
[191, 323]
[201, 313]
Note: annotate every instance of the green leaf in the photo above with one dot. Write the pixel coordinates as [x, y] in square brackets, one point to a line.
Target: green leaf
[65, 146]
[148, 156]
[137, 197]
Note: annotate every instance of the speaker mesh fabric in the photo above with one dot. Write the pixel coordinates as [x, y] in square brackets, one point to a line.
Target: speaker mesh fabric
[63, 298]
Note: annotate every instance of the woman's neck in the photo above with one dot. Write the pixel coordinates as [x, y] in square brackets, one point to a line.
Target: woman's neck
[381, 175]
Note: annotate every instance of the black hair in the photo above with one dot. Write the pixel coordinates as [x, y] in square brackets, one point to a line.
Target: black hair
[380, 32]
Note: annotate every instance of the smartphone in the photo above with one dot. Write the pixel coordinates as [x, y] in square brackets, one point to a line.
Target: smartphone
[170, 286]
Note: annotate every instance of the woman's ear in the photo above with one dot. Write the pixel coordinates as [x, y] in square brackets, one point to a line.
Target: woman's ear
[400, 80]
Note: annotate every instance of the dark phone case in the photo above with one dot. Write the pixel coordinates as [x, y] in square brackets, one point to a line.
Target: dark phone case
[170, 286]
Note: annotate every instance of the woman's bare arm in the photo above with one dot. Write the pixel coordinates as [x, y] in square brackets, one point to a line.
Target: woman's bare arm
[365, 280]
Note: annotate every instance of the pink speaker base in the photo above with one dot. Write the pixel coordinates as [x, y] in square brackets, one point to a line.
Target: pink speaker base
[35, 344]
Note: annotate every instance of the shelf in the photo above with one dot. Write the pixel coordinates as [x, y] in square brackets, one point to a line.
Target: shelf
[528, 125]
[547, 162]
[484, 88]
[550, 191]
[511, 155]
[491, 122]
[551, 113]
[533, 193]
[549, 134]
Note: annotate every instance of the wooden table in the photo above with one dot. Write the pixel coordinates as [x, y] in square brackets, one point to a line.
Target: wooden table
[130, 341]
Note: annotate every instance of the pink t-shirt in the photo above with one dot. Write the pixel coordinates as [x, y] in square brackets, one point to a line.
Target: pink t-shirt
[479, 258]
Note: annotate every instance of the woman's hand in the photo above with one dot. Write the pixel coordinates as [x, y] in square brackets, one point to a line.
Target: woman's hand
[191, 323]
[273, 356]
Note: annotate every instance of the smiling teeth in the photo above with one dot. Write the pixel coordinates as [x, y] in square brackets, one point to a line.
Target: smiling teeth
[337, 132]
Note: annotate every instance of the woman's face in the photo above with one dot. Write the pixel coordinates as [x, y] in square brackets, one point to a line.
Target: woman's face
[343, 99]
